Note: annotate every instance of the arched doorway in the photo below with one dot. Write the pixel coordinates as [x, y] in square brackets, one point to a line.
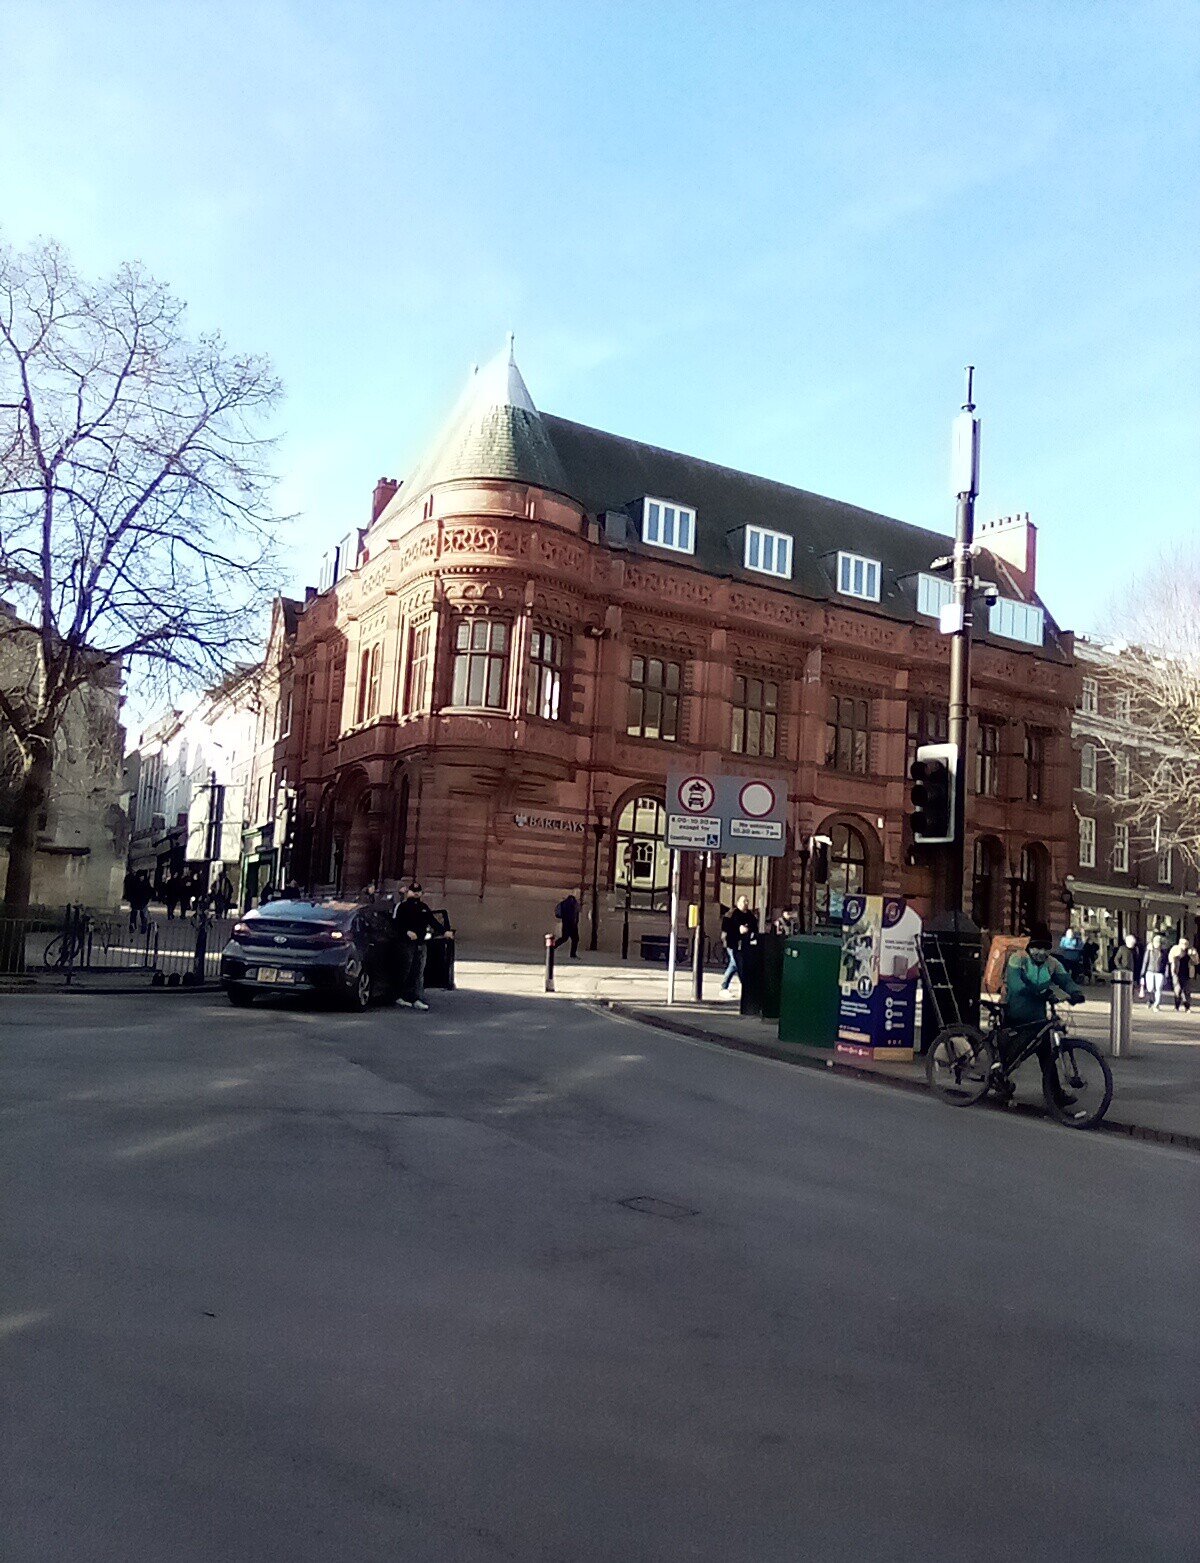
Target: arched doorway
[1033, 886]
[855, 859]
[641, 863]
[987, 883]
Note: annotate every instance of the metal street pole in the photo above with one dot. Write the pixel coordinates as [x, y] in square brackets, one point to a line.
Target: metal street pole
[698, 949]
[674, 924]
[965, 480]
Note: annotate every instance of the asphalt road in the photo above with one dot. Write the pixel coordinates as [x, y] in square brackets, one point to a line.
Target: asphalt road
[515, 1279]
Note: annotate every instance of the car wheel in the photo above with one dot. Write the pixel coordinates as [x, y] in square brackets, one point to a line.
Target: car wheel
[239, 998]
[361, 993]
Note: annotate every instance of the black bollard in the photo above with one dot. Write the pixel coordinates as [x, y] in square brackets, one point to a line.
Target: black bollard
[549, 963]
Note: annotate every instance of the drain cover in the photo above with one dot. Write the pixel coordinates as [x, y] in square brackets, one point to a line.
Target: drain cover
[648, 1205]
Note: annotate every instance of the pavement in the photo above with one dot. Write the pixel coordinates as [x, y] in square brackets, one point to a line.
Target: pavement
[525, 1279]
[1156, 1088]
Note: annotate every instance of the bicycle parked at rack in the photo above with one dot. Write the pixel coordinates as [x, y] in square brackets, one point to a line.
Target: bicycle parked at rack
[964, 1063]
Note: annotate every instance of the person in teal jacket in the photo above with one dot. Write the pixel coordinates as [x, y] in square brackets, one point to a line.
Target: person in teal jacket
[1033, 977]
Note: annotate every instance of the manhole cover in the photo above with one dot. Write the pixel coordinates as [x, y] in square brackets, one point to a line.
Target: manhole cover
[647, 1205]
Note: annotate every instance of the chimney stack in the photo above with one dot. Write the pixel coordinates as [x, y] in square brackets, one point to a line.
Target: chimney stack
[385, 491]
[1012, 542]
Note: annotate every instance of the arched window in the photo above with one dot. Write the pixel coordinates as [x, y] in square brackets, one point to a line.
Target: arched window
[847, 872]
[642, 864]
[748, 876]
[987, 903]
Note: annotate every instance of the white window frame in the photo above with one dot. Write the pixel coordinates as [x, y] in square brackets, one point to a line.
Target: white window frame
[871, 577]
[1087, 770]
[934, 593]
[1012, 619]
[768, 552]
[1089, 697]
[1120, 849]
[1087, 841]
[1121, 776]
[1166, 865]
[666, 518]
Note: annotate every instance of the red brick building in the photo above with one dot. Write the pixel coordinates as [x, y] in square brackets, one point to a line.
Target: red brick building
[494, 678]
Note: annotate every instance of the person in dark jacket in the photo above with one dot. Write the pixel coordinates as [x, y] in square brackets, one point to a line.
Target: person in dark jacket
[415, 926]
[137, 893]
[736, 928]
[567, 912]
[1032, 978]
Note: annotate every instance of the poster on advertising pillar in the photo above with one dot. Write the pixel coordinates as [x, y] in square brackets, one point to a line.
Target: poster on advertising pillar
[878, 978]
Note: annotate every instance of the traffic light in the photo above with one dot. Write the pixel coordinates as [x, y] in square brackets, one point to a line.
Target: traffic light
[932, 773]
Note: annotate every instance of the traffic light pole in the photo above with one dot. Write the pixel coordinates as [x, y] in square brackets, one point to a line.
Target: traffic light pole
[966, 483]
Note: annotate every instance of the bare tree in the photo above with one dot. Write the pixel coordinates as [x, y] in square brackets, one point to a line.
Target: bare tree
[1152, 679]
[135, 530]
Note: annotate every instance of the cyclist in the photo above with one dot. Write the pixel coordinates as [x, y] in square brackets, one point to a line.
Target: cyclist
[1032, 978]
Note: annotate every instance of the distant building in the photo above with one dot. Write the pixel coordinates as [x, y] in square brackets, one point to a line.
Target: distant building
[82, 834]
[495, 677]
[1119, 883]
[186, 784]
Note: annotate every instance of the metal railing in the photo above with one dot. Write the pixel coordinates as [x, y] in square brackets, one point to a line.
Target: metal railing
[78, 943]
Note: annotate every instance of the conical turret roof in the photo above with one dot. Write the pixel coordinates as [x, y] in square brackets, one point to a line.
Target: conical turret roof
[495, 431]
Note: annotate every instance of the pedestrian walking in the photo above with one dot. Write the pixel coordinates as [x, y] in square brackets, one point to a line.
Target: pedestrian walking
[172, 894]
[223, 896]
[736, 928]
[567, 912]
[415, 926]
[1128, 957]
[138, 896]
[1154, 972]
[1181, 960]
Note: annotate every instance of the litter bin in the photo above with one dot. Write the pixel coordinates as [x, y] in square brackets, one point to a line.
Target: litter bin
[750, 970]
[810, 997]
[772, 974]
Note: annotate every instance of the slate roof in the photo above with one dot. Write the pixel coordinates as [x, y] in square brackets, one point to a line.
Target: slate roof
[494, 432]
[609, 472]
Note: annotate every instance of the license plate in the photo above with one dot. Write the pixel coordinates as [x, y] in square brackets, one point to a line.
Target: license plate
[275, 974]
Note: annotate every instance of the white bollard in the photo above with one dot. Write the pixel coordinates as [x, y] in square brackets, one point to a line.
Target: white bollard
[1120, 1015]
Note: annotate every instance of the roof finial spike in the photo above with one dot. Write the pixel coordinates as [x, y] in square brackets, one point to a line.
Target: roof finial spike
[512, 346]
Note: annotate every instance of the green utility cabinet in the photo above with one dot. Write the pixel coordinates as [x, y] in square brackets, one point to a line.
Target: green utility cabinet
[808, 1010]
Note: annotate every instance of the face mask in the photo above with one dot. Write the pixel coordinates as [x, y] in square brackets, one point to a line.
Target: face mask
[1039, 957]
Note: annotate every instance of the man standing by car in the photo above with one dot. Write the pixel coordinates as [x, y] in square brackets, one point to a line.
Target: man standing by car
[415, 926]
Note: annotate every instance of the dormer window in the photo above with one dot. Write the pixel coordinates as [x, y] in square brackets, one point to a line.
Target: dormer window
[1014, 620]
[858, 577]
[668, 525]
[770, 552]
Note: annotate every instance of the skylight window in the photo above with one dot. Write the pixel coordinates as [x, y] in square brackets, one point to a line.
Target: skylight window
[669, 526]
[859, 577]
[1017, 621]
[770, 552]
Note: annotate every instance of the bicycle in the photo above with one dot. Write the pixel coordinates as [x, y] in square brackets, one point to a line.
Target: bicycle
[69, 948]
[964, 1063]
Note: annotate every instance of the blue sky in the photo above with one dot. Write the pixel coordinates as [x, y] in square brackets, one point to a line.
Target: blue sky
[767, 235]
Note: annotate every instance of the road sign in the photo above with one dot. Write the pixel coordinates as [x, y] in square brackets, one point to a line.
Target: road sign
[694, 833]
[695, 794]
[708, 812]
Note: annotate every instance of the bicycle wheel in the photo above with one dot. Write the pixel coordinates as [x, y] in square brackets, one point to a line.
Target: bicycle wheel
[959, 1065]
[1081, 1087]
[55, 953]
